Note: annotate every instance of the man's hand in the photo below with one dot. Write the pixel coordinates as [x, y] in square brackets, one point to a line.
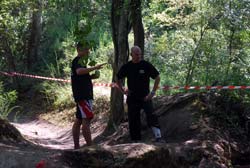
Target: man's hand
[96, 75]
[121, 88]
[82, 71]
[99, 66]
[149, 96]
[126, 92]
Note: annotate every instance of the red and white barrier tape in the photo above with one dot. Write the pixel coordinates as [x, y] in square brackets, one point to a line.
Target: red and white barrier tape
[32, 76]
[204, 87]
[114, 85]
[105, 84]
[11, 74]
[40, 77]
[6, 73]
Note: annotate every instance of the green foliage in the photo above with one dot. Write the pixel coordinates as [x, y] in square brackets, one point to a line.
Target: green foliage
[7, 100]
[83, 33]
[167, 15]
[228, 110]
[67, 23]
[13, 27]
[206, 37]
[104, 54]
[58, 96]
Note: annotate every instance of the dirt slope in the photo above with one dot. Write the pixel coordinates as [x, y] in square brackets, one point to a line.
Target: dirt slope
[195, 127]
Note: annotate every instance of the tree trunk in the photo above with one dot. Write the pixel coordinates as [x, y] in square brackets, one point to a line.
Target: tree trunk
[231, 57]
[120, 30]
[10, 58]
[138, 29]
[10, 62]
[191, 65]
[35, 35]
[230, 50]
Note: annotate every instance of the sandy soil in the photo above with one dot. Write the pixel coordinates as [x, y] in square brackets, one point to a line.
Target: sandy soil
[46, 134]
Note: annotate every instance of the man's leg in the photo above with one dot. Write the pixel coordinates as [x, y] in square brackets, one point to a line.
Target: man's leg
[134, 120]
[152, 119]
[76, 132]
[86, 114]
[86, 131]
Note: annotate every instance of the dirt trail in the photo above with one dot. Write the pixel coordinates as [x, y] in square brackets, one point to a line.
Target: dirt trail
[46, 134]
[184, 127]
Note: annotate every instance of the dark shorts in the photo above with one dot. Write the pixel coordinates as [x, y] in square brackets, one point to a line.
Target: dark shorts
[84, 109]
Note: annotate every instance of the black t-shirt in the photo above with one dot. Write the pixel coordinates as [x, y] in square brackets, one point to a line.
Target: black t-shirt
[138, 77]
[82, 86]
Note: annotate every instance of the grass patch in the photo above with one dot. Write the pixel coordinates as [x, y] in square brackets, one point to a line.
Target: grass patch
[66, 116]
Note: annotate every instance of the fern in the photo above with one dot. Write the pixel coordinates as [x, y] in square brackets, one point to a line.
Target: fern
[7, 99]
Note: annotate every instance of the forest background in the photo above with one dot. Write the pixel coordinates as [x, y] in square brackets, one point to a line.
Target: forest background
[198, 43]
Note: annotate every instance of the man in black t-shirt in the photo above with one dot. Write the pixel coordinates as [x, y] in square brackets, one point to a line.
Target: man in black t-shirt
[138, 73]
[82, 88]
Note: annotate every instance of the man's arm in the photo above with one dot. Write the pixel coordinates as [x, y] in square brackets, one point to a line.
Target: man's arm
[156, 84]
[119, 85]
[121, 75]
[155, 87]
[82, 71]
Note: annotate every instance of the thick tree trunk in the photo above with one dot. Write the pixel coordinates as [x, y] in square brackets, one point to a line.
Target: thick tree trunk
[137, 24]
[119, 16]
[120, 30]
[35, 35]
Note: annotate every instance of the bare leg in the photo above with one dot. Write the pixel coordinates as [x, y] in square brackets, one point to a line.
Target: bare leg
[76, 132]
[86, 131]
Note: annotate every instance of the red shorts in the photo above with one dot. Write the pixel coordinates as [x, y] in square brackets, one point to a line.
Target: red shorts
[84, 109]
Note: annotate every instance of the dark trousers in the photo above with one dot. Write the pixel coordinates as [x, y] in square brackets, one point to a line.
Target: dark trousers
[134, 117]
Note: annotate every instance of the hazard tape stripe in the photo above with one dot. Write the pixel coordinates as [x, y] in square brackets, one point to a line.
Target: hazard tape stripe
[204, 87]
[6, 73]
[231, 87]
[40, 77]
